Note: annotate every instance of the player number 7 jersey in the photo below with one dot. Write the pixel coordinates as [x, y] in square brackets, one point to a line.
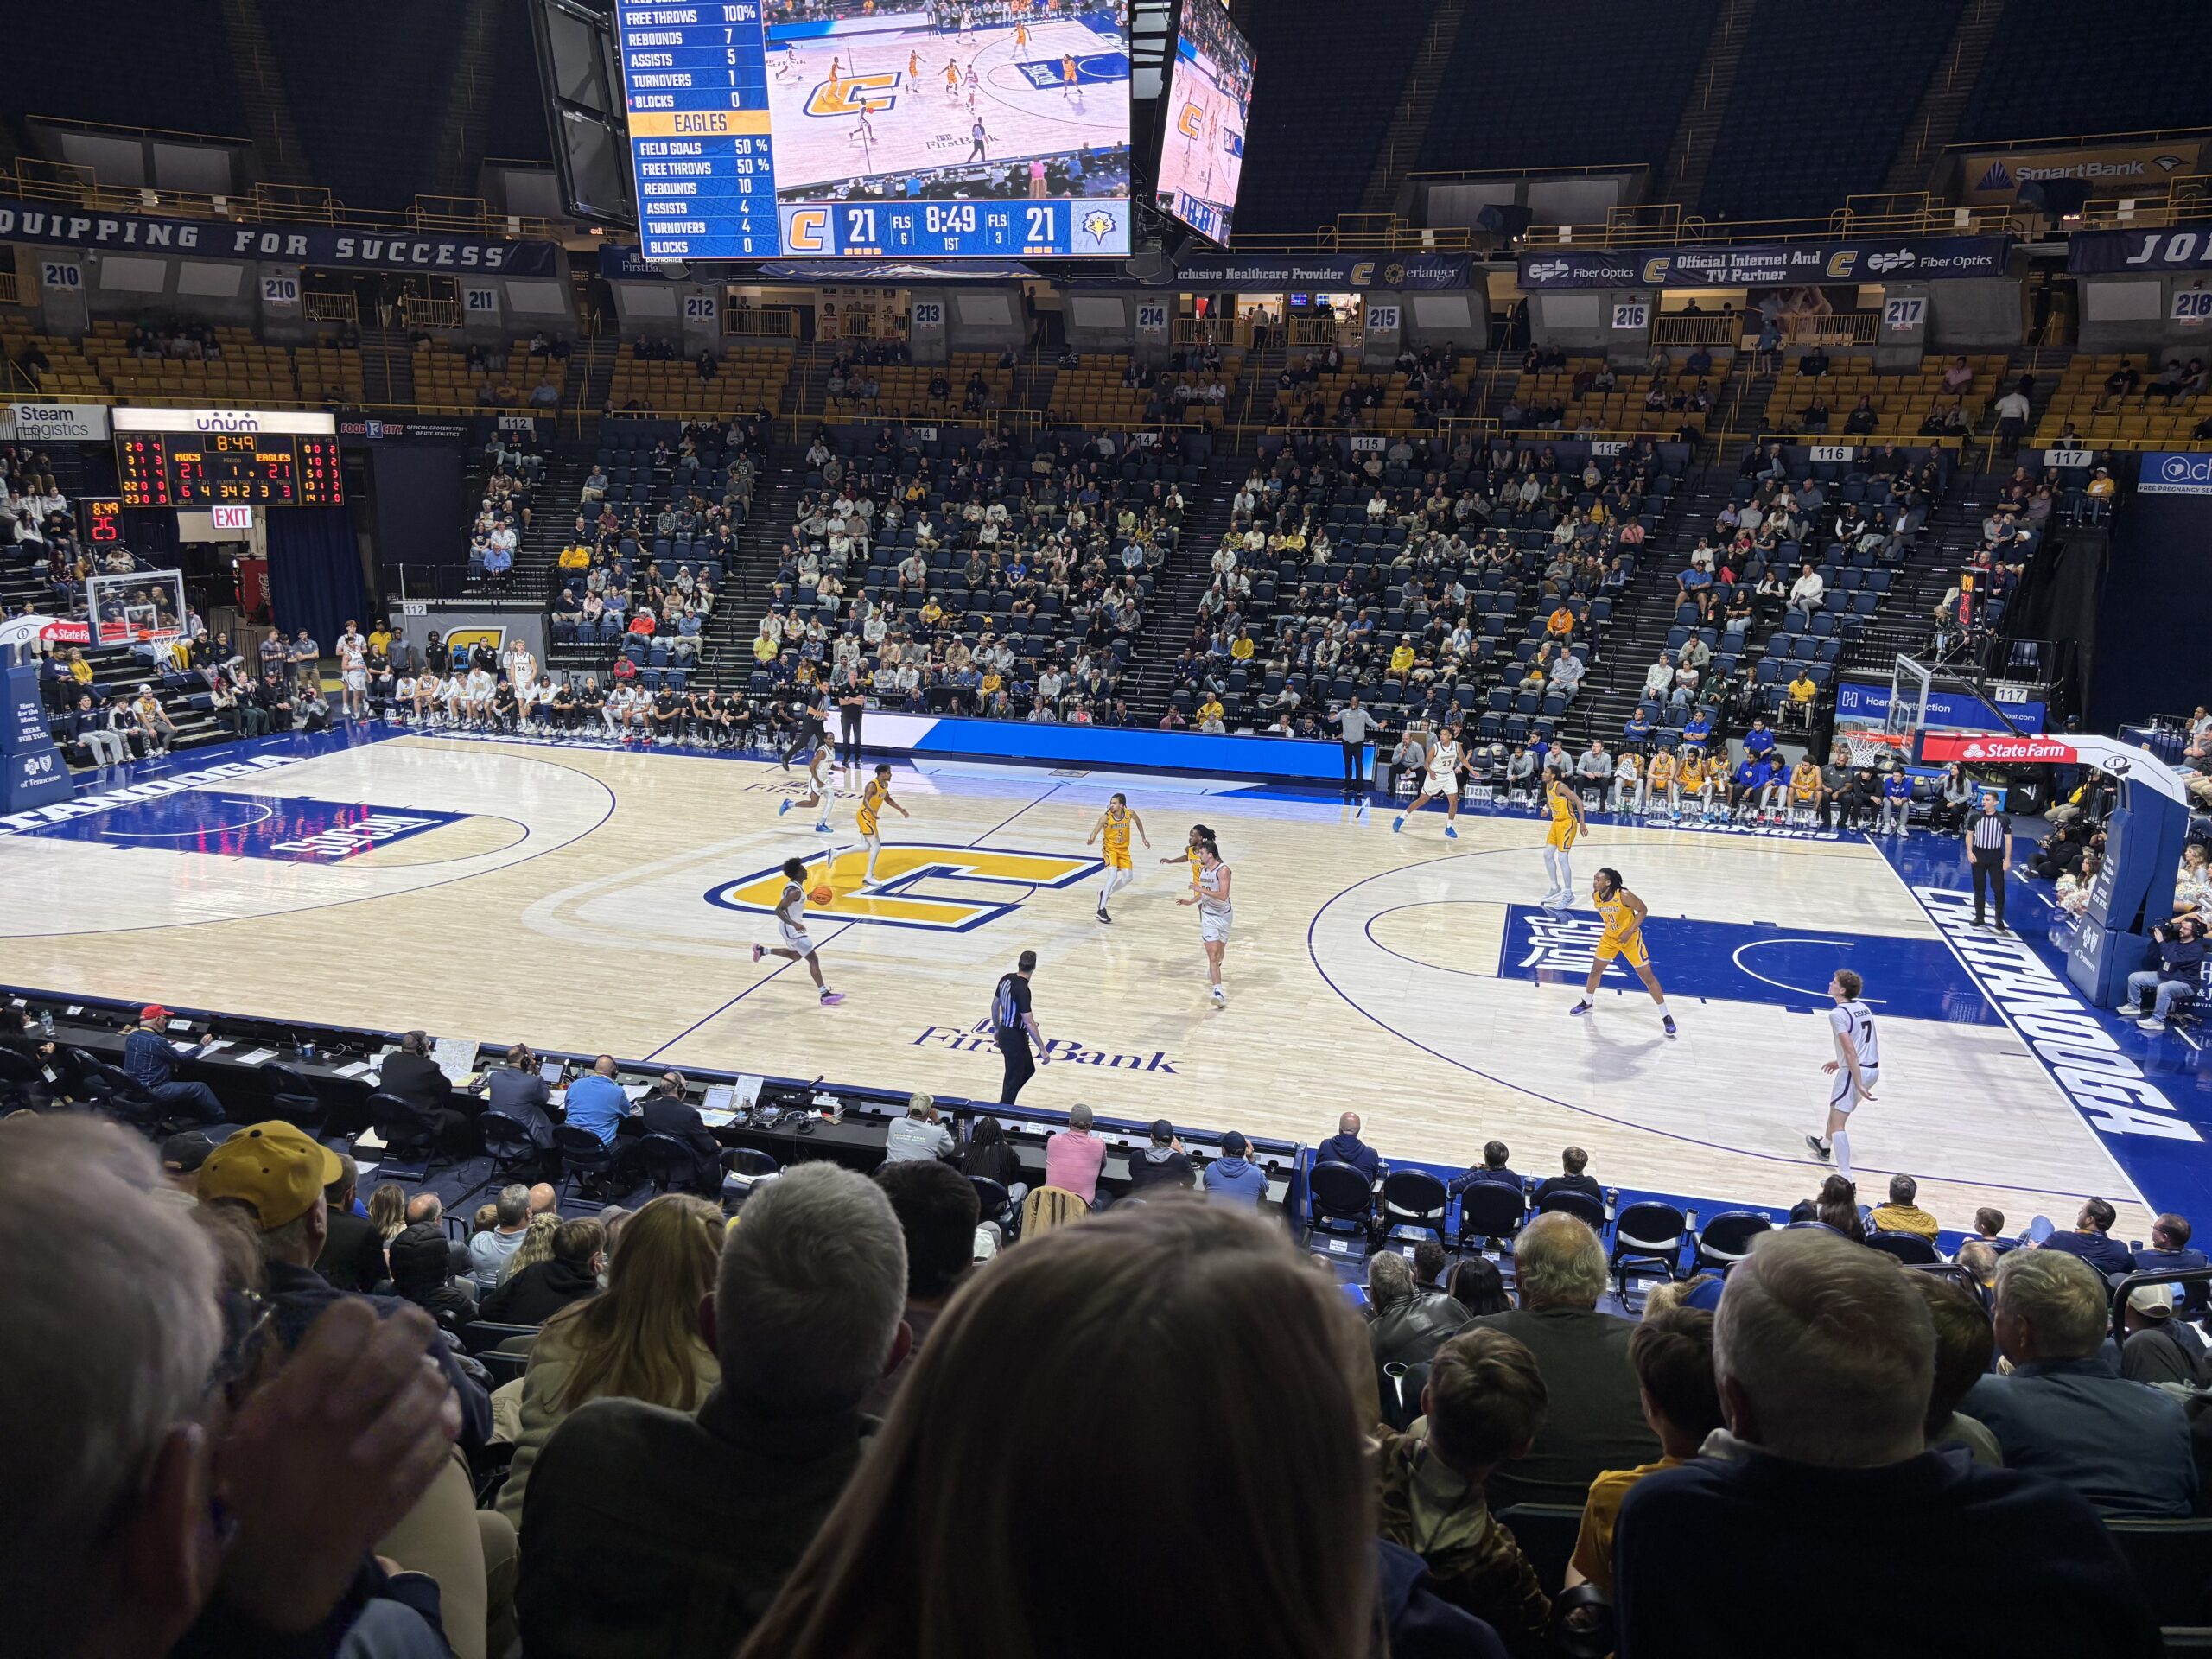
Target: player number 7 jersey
[1857, 1019]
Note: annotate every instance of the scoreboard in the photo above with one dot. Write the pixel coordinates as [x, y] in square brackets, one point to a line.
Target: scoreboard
[870, 129]
[99, 518]
[187, 458]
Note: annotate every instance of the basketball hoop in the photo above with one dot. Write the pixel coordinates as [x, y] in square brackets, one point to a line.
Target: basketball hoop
[1875, 749]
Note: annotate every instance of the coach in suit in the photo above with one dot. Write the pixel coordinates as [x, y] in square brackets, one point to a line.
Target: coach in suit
[667, 1111]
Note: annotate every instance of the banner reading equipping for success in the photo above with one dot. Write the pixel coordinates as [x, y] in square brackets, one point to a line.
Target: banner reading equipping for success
[320, 246]
[1746, 263]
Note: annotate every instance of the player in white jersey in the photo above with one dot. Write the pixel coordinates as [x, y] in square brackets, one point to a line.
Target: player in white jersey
[824, 779]
[1443, 779]
[1854, 1071]
[791, 927]
[1210, 894]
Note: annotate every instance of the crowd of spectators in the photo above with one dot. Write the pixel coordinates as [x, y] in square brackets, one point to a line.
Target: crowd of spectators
[1397, 571]
[1003, 580]
[796, 1432]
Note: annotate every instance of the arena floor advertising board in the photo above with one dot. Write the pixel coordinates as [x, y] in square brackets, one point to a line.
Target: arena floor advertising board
[836, 127]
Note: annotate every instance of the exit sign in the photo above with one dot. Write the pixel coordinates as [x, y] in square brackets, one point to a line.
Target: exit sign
[232, 518]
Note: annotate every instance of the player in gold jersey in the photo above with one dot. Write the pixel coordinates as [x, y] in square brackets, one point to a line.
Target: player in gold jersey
[1568, 826]
[873, 799]
[1115, 823]
[1624, 913]
[1659, 783]
[1200, 834]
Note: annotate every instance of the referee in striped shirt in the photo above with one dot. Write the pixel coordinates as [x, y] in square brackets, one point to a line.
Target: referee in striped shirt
[1989, 848]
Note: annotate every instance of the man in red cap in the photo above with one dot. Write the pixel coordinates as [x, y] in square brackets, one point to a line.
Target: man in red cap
[150, 1059]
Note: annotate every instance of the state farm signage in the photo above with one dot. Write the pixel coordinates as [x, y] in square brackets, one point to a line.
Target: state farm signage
[1996, 750]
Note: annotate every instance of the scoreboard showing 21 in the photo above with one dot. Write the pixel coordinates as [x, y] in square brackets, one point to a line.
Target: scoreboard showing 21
[876, 127]
[187, 458]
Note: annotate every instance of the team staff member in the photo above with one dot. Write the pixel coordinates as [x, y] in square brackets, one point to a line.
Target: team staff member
[1353, 724]
[1016, 1027]
[151, 1060]
[852, 704]
[1989, 849]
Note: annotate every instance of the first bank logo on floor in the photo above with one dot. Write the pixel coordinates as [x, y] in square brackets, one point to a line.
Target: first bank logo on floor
[1059, 1051]
[939, 889]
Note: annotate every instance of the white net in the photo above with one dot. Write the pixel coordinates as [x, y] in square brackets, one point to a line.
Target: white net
[1876, 749]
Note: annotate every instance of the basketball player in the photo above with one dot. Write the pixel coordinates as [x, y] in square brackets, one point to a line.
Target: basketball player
[1690, 780]
[1854, 1071]
[873, 799]
[1659, 787]
[1568, 826]
[1628, 782]
[1624, 913]
[820, 775]
[1115, 823]
[1072, 78]
[864, 133]
[1021, 34]
[1210, 894]
[1442, 779]
[913, 66]
[790, 65]
[953, 80]
[1804, 789]
[1200, 834]
[836, 75]
[813, 726]
[791, 924]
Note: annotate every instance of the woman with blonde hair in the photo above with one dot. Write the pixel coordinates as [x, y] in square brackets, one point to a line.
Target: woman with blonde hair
[1210, 1345]
[637, 1339]
[537, 1245]
[388, 1210]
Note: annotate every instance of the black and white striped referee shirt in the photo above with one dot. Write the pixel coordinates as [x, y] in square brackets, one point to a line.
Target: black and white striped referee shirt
[1988, 832]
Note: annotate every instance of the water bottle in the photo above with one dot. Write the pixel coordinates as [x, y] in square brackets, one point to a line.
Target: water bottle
[46, 1023]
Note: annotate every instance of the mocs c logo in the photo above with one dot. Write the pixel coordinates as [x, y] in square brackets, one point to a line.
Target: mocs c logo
[809, 231]
[1191, 123]
[874, 93]
[909, 879]
[469, 639]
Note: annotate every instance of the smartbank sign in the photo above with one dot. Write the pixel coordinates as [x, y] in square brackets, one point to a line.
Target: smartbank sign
[294, 422]
[85, 805]
[2064, 1034]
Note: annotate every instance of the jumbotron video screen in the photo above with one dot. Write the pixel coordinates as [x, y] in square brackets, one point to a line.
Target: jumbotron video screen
[1209, 96]
[805, 128]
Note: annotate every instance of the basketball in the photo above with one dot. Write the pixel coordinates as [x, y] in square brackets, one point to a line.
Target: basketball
[822, 894]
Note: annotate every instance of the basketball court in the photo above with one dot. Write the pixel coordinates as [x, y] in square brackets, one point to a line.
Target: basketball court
[578, 897]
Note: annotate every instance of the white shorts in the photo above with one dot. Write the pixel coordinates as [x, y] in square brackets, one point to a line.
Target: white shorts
[1214, 929]
[357, 679]
[1439, 783]
[796, 939]
[1840, 1099]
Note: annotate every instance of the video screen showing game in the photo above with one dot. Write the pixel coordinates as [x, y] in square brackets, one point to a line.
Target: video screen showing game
[1209, 96]
[994, 128]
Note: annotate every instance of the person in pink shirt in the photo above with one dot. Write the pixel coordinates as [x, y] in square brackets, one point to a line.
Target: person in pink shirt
[1074, 1156]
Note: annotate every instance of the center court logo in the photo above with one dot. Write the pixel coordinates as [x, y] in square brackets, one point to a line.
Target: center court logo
[874, 93]
[939, 889]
